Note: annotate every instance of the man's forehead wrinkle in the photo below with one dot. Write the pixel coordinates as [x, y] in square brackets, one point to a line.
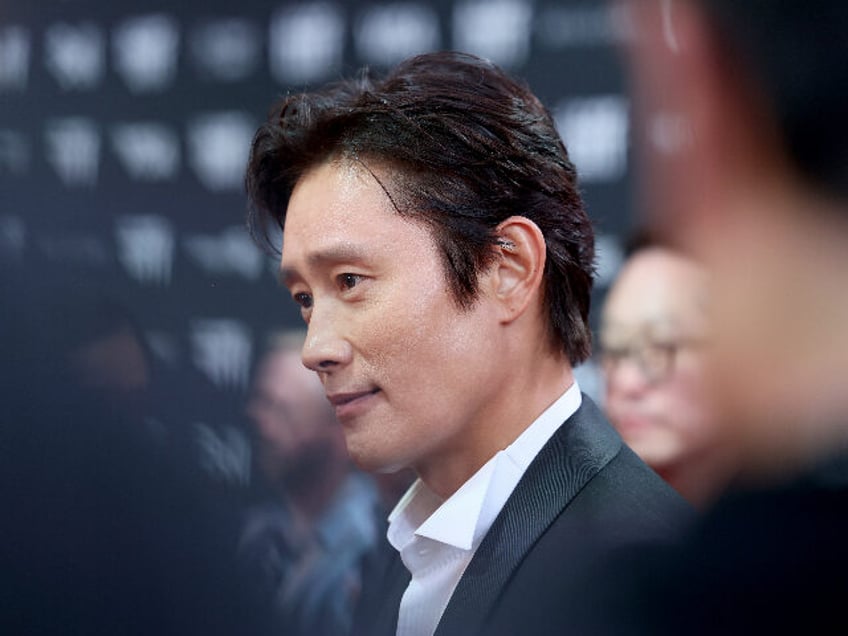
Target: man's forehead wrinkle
[344, 251]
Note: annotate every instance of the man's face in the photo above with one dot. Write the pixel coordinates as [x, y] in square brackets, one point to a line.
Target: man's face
[411, 375]
[653, 333]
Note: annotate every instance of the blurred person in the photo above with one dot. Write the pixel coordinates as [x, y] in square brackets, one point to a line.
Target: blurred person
[307, 541]
[654, 328]
[101, 532]
[435, 240]
[742, 106]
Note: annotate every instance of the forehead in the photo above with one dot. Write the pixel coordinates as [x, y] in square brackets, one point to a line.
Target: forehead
[326, 191]
[657, 287]
[339, 211]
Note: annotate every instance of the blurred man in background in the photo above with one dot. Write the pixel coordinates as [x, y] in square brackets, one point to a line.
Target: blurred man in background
[105, 528]
[654, 328]
[306, 541]
[743, 110]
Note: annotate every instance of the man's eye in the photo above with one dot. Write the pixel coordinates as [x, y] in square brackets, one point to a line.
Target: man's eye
[303, 299]
[348, 281]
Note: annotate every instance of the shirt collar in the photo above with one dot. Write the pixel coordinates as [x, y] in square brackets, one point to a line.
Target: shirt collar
[466, 516]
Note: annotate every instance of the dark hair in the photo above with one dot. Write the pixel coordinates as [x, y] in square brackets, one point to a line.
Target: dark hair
[797, 52]
[468, 146]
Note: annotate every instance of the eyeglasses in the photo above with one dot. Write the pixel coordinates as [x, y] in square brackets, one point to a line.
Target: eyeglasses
[654, 359]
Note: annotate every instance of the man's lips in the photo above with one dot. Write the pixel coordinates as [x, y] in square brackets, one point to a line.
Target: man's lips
[343, 398]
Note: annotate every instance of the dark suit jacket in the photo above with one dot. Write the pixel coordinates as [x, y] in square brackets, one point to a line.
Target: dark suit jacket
[586, 494]
[768, 558]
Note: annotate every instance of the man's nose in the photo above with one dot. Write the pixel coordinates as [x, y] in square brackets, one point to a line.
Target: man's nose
[325, 347]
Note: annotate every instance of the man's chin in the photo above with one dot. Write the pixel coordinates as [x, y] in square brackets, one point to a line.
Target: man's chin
[373, 462]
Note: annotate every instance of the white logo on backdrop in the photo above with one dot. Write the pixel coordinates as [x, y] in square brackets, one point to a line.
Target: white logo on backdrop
[580, 26]
[12, 237]
[232, 251]
[145, 50]
[145, 246]
[73, 149]
[390, 33]
[14, 153]
[306, 42]
[595, 132]
[14, 58]
[147, 151]
[498, 30]
[221, 349]
[227, 50]
[218, 145]
[224, 453]
[75, 55]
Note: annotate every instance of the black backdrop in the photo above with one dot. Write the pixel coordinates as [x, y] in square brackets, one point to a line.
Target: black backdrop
[124, 126]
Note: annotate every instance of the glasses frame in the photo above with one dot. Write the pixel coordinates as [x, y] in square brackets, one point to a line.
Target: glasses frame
[655, 359]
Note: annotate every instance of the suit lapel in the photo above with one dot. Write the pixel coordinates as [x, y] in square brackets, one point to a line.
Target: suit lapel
[580, 448]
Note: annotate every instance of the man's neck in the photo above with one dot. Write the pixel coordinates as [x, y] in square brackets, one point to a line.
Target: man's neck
[526, 391]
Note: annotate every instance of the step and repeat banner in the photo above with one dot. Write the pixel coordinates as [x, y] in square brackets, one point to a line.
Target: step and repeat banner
[125, 125]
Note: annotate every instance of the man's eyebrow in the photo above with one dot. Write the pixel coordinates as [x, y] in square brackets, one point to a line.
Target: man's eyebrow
[286, 276]
[328, 256]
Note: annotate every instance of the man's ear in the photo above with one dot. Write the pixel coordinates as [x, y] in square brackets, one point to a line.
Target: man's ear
[519, 266]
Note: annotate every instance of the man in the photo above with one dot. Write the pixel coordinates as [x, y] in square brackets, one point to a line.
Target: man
[435, 241]
[654, 332]
[752, 177]
[305, 543]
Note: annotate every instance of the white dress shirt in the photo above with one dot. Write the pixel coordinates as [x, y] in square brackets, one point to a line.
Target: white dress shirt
[437, 538]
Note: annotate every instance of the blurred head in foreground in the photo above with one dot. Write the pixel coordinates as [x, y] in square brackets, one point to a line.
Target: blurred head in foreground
[745, 150]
